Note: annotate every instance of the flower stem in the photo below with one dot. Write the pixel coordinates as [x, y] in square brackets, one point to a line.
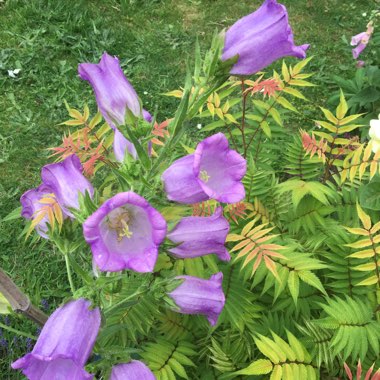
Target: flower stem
[244, 106]
[69, 276]
[22, 333]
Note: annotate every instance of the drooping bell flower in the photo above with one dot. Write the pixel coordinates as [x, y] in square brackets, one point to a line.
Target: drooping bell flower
[213, 172]
[261, 38]
[114, 94]
[64, 345]
[134, 370]
[361, 40]
[32, 207]
[66, 180]
[199, 236]
[121, 145]
[125, 233]
[198, 296]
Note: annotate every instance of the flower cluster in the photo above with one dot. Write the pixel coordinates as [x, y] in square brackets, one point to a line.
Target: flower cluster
[361, 40]
[126, 231]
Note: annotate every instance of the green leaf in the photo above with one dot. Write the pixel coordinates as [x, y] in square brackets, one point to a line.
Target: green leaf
[311, 279]
[15, 214]
[293, 285]
[259, 367]
[369, 195]
[5, 306]
[286, 104]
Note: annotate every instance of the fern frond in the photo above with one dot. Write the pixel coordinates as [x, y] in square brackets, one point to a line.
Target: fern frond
[255, 245]
[368, 246]
[167, 359]
[354, 326]
[284, 360]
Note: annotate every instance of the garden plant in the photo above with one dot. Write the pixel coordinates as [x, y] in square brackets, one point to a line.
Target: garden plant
[217, 243]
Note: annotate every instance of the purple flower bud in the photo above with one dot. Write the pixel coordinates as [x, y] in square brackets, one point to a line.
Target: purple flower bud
[65, 344]
[199, 296]
[134, 370]
[121, 144]
[213, 171]
[66, 181]
[261, 38]
[360, 64]
[125, 233]
[199, 236]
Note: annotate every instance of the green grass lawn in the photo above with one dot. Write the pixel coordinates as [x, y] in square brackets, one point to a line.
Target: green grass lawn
[47, 39]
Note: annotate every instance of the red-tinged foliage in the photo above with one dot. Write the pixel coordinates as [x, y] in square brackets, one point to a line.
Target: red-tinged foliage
[160, 130]
[236, 211]
[359, 370]
[83, 148]
[312, 146]
[267, 87]
[203, 209]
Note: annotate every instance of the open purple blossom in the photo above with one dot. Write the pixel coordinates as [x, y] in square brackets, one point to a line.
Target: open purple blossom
[66, 180]
[125, 233]
[261, 38]
[198, 296]
[361, 40]
[64, 345]
[31, 207]
[199, 236]
[134, 370]
[213, 172]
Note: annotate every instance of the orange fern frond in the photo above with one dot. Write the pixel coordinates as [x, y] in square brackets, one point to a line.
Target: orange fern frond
[359, 370]
[206, 208]
[237, 211]
[312, 146]
[254, 244]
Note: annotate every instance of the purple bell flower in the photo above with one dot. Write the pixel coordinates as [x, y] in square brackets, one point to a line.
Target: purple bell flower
[66, 181]
[213, 171]
[200, 236]
[125, 233]
[134, 370]
[31, 206]
[65, 344]
[114, 94]
[361, 41]
[198, 296]
[261, 38]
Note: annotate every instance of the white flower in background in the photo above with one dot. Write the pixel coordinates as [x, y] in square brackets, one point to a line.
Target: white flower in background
[374, 134]
[13, 73]
[199, 126]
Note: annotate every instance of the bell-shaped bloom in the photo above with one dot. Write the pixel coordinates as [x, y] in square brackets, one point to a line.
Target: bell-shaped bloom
[64, 345]
[261, 38]
[134, 370]
[114, 94]
[31, 207]
[125, 233]
[199, 236]
[66, 180]
[121, 145]
[198, 296]
[213, 171]
[361, 41]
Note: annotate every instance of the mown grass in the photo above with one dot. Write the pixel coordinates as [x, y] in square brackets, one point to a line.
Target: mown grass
[154, 39]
